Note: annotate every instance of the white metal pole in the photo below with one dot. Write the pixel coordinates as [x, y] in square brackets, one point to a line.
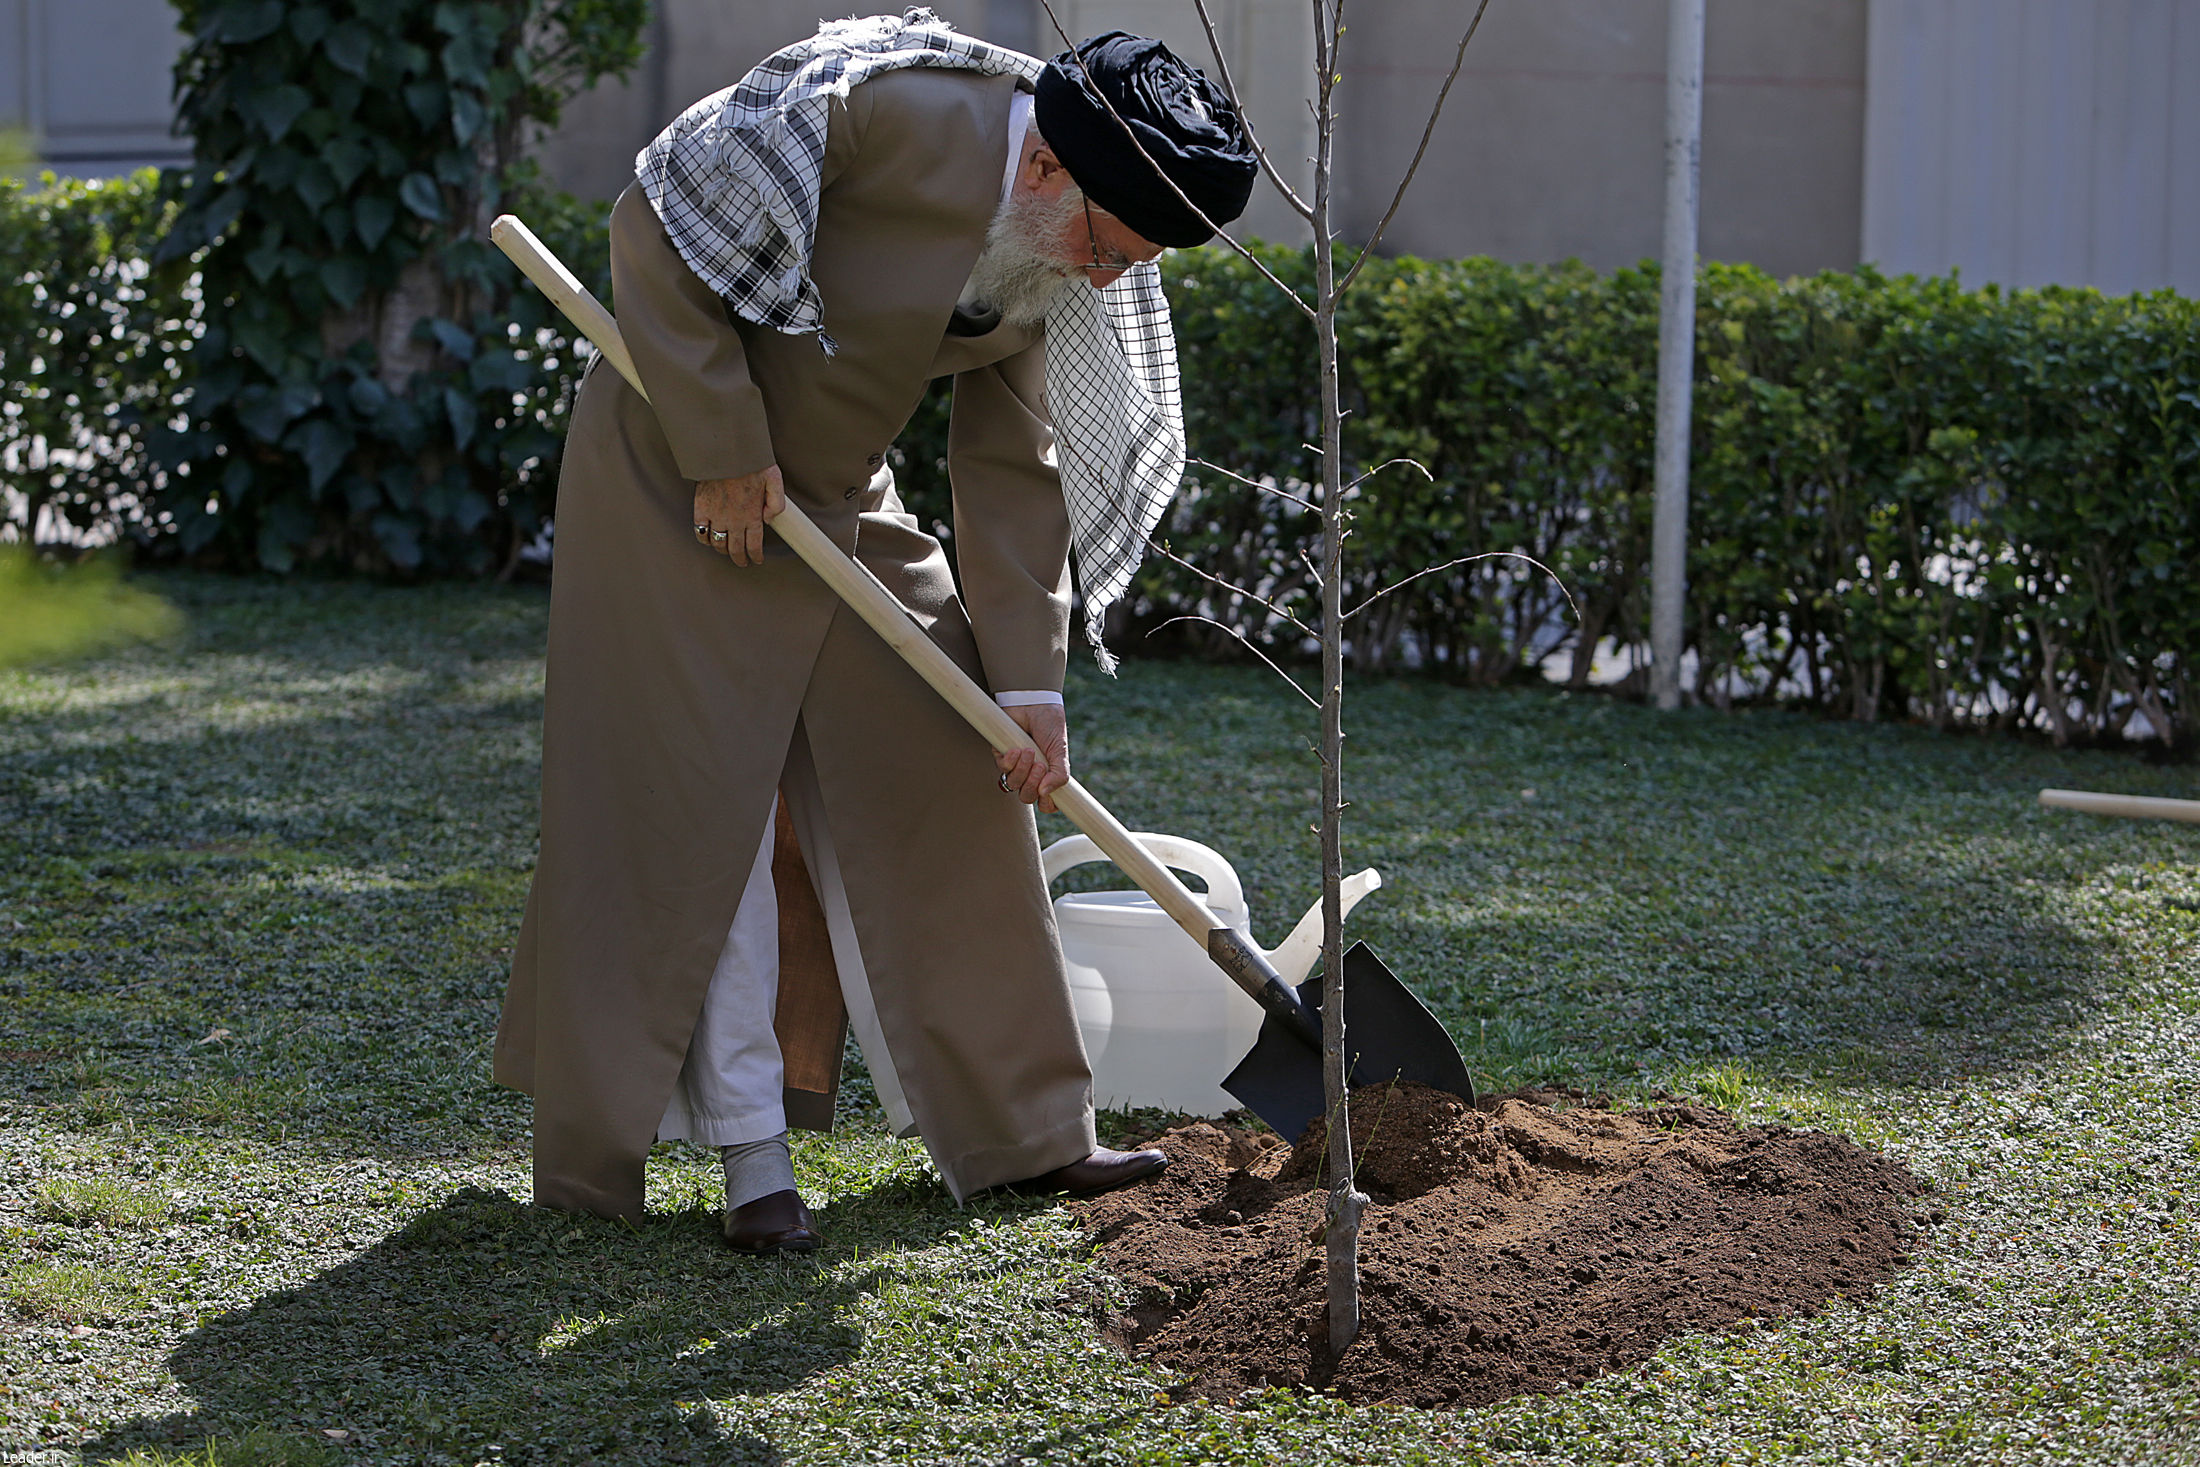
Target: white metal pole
[1676, 347]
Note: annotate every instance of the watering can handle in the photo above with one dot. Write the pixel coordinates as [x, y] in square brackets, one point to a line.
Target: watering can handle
[1232, 951]
[1174, 851]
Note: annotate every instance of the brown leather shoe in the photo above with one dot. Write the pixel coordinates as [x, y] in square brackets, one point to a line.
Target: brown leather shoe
[1103, 1171]
[774, 1223]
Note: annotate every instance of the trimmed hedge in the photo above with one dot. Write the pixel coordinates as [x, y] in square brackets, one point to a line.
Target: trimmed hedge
[93, 353]
[1909, 500]
[99, 393]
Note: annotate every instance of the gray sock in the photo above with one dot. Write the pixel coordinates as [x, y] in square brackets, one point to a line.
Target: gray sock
[757, 1169]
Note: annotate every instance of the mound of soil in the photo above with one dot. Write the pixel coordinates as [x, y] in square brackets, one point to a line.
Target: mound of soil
[1507, 1249]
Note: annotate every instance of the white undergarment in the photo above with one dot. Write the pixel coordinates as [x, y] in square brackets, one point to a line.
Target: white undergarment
[731, 1086]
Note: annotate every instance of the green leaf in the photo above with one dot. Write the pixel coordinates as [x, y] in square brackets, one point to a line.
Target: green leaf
[316, 186]
[223, 211]
[420, 195]
[425, 100]
[372, 217]
[460, 407]
[350, 46]
[341, 95]
[276, 108]
[456, 167]
[261, 413]
[344, 277]
[400, 485]
[268, 412]
[467, 116]
[278, 168]
[266, 258]
[264, 341]
[466, 61]
[452, 337]
[368, 397]
[346, 159]
[218, 379]
[309, 23]
[324, 445]
[199, 529]
[403, 424]
[241, 22]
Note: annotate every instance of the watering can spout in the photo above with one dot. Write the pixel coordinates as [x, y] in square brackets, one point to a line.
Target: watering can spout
[1294, 957]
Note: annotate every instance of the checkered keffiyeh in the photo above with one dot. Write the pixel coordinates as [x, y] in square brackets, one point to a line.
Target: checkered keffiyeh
[735, 179]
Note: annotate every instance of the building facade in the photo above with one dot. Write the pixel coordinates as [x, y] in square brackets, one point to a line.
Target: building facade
[2018, 141]
[90, 82]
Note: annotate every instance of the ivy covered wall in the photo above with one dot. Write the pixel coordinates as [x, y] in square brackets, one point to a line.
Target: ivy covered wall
[371, 385]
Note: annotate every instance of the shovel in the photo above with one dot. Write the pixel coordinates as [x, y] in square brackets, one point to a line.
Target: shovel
[1393, 1035]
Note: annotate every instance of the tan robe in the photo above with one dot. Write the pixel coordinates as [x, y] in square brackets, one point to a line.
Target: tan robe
[680, 685]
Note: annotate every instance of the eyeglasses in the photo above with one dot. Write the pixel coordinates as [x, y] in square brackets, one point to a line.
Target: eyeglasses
[1117, 259]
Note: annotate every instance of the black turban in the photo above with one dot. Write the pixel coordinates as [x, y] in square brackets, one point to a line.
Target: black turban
[1178, 117]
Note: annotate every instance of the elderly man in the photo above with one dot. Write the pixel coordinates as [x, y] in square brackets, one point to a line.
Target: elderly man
[880, 206]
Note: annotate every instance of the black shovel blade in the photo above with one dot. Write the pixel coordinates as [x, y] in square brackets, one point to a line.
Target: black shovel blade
[1389, 1033]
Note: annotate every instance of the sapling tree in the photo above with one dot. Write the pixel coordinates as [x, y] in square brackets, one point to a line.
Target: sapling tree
[1317, 208]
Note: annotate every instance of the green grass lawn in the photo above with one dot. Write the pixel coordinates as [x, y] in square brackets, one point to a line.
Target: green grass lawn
[260, 1203]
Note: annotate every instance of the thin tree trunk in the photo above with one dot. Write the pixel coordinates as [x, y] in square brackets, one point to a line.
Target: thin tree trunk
[1345, 1200]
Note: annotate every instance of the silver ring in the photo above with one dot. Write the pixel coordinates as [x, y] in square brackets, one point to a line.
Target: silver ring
[717, 537]
[1004, 784]
[702, 534]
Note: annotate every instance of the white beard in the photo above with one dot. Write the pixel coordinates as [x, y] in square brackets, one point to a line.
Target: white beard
[1022, 274]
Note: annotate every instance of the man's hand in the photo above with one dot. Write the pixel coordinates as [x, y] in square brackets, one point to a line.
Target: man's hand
[1034, 777]
[739, 507]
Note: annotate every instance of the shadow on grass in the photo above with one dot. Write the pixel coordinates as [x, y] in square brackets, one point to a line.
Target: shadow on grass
[1908, 998]
[487, 1328]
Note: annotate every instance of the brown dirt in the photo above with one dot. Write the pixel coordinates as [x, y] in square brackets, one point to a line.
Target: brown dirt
[1505, 1250]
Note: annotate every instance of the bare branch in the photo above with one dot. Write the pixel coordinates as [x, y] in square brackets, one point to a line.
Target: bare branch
[1248, 646]
[1325, 60]
[1467, 560]
[1233, 589]
[1387, 463]
[1253, 483]
[1229, 89]
[1457, 61]
[1246, 254]
[1310, 570]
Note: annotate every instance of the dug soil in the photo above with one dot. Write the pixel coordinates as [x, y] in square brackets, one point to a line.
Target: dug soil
[1506, 1249]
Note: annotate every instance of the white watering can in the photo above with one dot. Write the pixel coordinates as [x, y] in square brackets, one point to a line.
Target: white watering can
[1161, 1025]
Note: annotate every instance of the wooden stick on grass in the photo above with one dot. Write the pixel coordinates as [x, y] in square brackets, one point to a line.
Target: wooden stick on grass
[2135, 807]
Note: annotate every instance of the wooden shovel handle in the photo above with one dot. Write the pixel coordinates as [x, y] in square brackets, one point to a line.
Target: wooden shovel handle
[1243, 962]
